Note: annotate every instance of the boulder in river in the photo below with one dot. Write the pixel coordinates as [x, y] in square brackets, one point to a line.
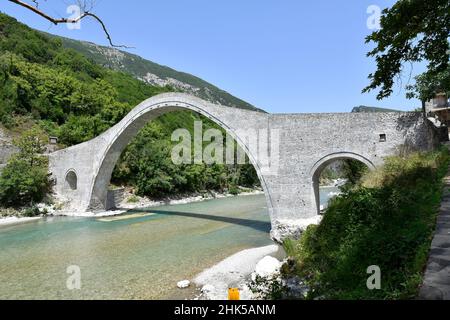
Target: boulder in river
[268, 267]
[207, 288]
[183, 284]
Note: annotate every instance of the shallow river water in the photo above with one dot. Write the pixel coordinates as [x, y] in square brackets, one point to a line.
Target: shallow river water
[138, 256]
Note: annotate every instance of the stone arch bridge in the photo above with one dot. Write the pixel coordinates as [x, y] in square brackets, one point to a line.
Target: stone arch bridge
[305, 144]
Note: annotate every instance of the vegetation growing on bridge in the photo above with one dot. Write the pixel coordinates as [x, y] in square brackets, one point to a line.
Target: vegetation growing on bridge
[386, 220]
[71, 97]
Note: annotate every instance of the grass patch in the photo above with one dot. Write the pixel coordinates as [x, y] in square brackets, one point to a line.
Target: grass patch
[387, 220]
[133, 199]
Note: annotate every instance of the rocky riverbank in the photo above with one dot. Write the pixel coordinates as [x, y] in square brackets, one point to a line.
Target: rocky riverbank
[10, 221]
[132, 201]
[10, 216]
[233, 272]
[255, 272]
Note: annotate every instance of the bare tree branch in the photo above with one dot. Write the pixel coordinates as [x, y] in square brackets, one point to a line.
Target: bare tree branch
[36, 3]
[85, 13]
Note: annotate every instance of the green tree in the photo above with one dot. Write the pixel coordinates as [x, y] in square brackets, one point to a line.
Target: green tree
[411, 31]
[25, 179]
[427, 86]
[353, 170]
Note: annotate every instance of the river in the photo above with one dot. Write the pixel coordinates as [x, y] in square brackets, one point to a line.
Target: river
[141, 255]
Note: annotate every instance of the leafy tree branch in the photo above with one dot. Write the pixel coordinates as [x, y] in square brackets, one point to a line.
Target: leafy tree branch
[411, 31]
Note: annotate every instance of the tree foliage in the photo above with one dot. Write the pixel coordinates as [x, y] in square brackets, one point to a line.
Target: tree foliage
[146, 163]
[428, 85]
[25, 179]
[353, 171]
[411, 31]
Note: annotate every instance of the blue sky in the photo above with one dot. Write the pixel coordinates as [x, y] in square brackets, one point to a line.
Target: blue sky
[282, 56]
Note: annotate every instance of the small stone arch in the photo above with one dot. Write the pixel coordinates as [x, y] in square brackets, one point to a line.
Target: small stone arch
[318, 167]
[71, 182]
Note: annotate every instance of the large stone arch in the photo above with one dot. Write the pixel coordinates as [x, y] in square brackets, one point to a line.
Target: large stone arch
[321, 164]
[118, 137]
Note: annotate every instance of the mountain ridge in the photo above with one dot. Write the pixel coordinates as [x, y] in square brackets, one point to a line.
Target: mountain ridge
[365, 109]
[153, 73]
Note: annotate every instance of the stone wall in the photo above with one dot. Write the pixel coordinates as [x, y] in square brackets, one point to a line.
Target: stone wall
[114, 198]
[421, 134]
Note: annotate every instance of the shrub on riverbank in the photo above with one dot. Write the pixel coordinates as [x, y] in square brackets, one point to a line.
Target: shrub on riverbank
[387, 221]
[25, 179]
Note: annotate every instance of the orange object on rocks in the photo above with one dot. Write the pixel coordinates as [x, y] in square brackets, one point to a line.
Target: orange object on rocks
[233, 294]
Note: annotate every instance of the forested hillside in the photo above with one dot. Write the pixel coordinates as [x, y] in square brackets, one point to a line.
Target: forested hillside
[72, 97]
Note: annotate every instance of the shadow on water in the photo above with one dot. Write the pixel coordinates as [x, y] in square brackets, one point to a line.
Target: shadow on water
[254, 224]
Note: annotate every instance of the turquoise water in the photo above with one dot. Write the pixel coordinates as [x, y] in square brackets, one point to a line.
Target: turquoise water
[139, 257]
